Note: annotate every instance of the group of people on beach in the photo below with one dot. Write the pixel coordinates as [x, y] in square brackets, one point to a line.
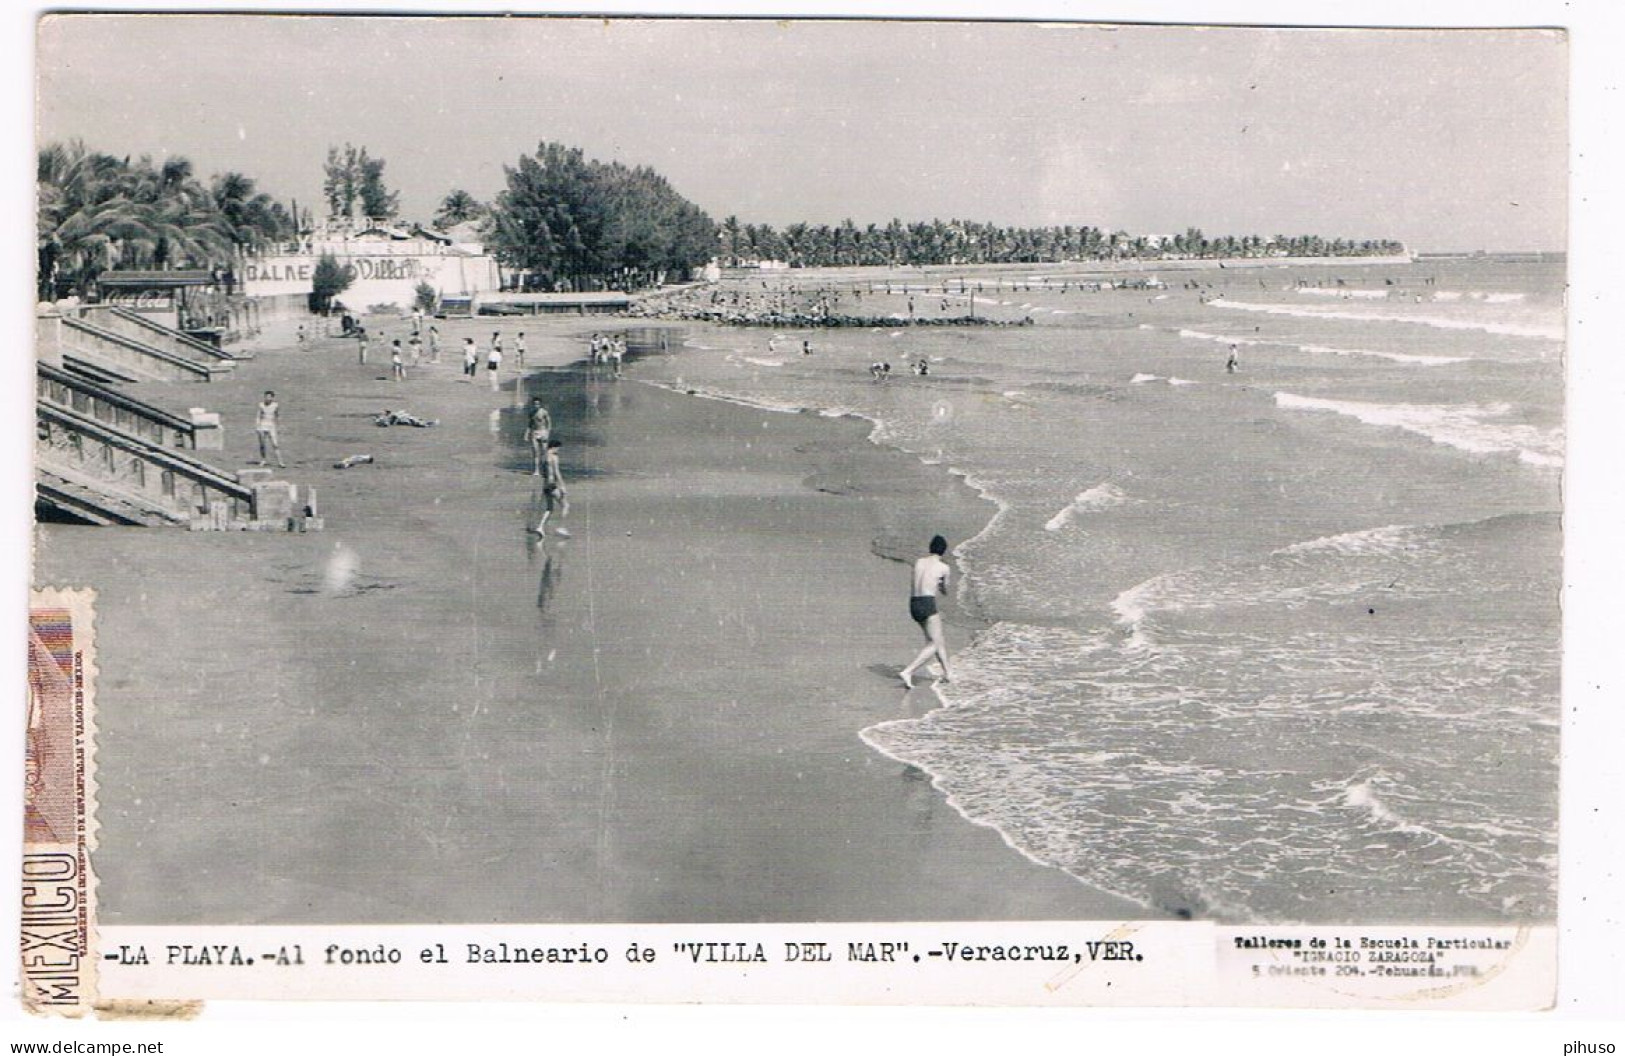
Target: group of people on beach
[604, 349]
[411, 353]
[400, 356]
[493, 357]
[880, 370]
[929, 576]
[539, 422]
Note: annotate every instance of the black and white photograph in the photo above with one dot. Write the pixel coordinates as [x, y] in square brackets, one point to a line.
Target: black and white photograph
[705, 471]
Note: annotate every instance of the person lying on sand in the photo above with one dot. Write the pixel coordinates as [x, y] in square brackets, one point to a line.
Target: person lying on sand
[404, 418]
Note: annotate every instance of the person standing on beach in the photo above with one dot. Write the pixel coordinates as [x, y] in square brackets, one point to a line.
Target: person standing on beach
[519, 352]
[471, 358]
[415, 343]
[553, 495]
[1233, 362]
[538, 430]
[434, 344]
[361, 335]
[265, 428]
[493, 361]
[930, 578]
[397, 367]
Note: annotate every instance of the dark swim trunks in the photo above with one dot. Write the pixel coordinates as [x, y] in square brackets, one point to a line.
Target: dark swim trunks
[922, 609]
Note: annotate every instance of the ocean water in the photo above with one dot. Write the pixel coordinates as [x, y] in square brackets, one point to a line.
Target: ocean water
[1273, 645]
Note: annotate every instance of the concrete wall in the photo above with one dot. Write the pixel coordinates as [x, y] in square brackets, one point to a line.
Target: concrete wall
[129, 356]
[167, 339]
[48, 337]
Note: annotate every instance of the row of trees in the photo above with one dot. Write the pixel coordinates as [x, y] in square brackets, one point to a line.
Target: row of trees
[563, 221]
[569, 221]
[97, 212]
[968, 242]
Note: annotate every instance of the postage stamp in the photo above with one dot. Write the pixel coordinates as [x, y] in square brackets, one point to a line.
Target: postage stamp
[59, 805]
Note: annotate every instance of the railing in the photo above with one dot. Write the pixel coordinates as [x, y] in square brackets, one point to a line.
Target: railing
[107, 405]
[133, 471]
[100, 373]
[126, 353]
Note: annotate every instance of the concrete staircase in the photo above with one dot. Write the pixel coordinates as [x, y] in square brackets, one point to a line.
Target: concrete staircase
[103, 456]
[132, 324]
[75, 343]
[95, 471]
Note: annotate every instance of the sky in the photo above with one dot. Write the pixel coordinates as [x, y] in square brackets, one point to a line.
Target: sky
[1442, 139]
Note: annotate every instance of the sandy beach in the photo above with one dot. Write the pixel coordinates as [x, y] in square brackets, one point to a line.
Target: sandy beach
[425, 714]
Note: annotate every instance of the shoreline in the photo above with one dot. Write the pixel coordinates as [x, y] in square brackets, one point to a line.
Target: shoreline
[979, 621]
[617, 773]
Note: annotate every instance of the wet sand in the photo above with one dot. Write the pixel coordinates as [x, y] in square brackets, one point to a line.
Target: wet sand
[425, 714]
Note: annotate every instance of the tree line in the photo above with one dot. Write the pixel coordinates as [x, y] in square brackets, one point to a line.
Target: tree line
[968, 242]
[564, 221]
[97, 212]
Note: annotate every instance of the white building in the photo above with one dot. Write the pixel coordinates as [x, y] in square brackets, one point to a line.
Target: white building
[386, 263]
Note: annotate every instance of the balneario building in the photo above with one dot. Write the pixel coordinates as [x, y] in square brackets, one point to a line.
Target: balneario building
[385, 262]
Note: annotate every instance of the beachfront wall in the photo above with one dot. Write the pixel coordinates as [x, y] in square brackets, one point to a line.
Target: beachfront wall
[384, 273]
[606, 302]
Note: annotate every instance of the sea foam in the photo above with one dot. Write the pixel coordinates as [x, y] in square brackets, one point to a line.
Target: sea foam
[1100, 497]
[1466, 427]
[1543, 332]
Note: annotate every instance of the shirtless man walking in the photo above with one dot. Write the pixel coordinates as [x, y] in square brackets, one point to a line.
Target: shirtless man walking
[930, 578]
[265, 416]
[538, 430]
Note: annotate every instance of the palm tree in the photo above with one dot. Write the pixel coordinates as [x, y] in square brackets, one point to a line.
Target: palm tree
[71, 218]
[730, 240]
[252, 217]
[457, 207]
[96, 212]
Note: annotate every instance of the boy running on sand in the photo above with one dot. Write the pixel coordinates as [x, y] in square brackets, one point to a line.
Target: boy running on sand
[930, 578]
[553, 490]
